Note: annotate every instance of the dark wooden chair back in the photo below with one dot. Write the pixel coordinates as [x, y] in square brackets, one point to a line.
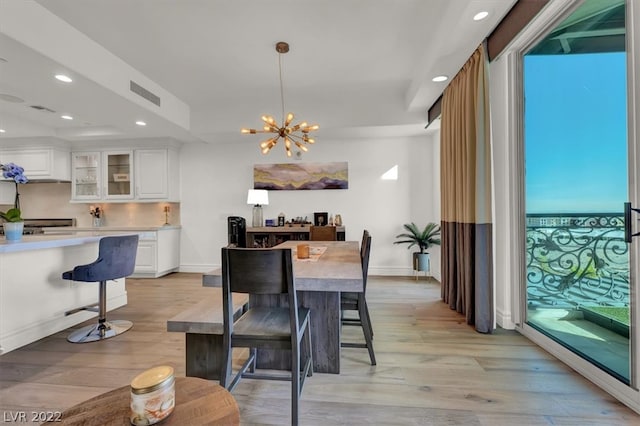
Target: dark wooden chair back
[323, 233]
[365, 251]
[365, 235]
[257, 271]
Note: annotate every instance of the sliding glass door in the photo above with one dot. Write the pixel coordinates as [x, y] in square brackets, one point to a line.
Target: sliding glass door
[576, 183]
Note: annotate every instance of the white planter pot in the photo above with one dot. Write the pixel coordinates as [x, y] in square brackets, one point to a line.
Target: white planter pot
[13, 230]
[421, 261]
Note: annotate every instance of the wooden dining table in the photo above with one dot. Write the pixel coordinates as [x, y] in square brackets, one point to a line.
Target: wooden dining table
[333, 267]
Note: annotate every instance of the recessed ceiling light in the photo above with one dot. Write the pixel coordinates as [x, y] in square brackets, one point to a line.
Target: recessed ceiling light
[440, 78]
[141, 123]
[480, 15]
[2, 130]
[66, 117]
[64, 78]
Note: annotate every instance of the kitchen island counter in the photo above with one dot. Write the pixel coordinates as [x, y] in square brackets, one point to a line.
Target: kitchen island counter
[39, 242]
[33, 295]
[158, 249]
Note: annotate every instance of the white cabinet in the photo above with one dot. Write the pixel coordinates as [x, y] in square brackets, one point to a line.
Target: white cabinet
[157, 175]
[40, 163]
[127, 175]
[147, 257]
[158, 253]
[152, 174]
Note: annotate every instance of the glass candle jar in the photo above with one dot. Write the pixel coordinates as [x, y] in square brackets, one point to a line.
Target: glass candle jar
[152, 396]
[303, 251]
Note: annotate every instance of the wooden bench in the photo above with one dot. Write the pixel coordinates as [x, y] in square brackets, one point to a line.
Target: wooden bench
[202, 324]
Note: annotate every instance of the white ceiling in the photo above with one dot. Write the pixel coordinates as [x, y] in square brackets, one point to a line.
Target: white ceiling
[356, 67]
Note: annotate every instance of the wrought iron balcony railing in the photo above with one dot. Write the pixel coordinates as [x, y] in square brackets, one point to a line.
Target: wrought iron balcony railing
[577, 259]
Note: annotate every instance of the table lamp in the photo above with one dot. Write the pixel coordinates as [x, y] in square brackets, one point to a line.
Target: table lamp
[257, 197]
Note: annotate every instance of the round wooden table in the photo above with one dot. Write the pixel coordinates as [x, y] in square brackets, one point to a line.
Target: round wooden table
[198, 402]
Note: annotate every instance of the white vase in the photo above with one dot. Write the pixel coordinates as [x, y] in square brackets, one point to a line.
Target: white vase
[13, 230]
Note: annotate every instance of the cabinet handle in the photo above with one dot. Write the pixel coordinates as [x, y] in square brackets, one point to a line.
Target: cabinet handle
[628, 233]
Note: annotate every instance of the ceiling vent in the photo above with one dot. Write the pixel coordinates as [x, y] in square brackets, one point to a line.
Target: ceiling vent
[41, 108]
[139, 90]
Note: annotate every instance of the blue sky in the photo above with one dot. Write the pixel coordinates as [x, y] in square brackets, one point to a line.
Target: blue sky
[575, 133]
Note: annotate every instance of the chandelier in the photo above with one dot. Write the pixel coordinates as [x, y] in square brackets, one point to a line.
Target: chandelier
[297, 134]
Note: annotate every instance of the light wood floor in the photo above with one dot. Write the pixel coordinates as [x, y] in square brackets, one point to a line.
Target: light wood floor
[432, 368]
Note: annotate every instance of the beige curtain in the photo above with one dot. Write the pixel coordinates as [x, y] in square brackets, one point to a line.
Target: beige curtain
[465, 164]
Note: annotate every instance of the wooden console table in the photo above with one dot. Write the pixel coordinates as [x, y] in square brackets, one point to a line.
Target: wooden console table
[270, 236]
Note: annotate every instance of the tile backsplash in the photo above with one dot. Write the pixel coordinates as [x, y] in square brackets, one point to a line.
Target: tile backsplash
[51, 200]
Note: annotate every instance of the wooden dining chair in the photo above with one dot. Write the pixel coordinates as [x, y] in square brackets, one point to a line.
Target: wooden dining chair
[363, 243]
[264, 272]
[358, 302]
[364, 246]
[323, 233]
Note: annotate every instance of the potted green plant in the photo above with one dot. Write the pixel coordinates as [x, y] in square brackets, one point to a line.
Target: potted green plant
[429, 236]
[14, 223]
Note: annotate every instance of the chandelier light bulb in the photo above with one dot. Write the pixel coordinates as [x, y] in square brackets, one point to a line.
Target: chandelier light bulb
[288, 120]
[302, 147]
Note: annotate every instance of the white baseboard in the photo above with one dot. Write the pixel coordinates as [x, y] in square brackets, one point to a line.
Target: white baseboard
[153, 274]
[504, 320]
[48, 326]
[198, 268]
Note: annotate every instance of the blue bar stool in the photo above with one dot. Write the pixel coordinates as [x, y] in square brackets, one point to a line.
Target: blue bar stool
[116, 259]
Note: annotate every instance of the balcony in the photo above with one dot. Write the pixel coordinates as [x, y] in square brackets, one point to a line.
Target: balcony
[578, 285]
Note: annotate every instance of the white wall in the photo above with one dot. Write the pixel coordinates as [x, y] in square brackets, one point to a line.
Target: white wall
[425, 180]
[215, 179]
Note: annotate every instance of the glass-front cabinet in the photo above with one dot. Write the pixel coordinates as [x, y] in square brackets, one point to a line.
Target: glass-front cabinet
[102, 175]
[86, 176]
[118, 174]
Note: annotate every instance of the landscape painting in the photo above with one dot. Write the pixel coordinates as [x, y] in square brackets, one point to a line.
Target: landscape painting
[292, 176]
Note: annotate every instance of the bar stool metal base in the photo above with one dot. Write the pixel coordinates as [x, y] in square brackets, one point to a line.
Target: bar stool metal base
[100, 331]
